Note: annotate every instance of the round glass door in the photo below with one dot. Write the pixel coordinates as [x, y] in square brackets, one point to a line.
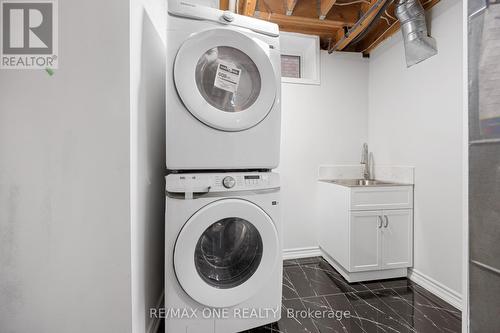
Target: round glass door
[228, 252]
[225, 252]
[226, 79]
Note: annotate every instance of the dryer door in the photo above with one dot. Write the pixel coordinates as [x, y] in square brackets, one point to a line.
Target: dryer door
[226, 252]
[225, 79]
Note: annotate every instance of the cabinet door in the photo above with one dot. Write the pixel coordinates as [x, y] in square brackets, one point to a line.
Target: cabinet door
[397, 238]
[365, 240]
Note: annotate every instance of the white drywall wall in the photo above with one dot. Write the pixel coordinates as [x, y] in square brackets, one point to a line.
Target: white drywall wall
[321, 124]
[64, 181]
[415, 118]
[147, 159]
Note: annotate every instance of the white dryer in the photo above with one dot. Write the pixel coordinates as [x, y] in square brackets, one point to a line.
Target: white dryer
[223, 90]
[223, 264]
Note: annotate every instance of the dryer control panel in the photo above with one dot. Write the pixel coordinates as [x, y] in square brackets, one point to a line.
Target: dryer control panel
[221, 182]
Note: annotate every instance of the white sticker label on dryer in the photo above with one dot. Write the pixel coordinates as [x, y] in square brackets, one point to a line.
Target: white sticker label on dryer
[227, 77]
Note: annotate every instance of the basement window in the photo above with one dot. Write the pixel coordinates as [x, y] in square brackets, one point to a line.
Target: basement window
[300, 58]
[290, 66]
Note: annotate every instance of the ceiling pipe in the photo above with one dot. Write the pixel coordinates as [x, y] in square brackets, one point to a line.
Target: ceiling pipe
[419, 46]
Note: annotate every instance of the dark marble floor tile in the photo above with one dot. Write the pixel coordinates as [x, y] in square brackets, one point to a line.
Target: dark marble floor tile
[327, 319]
[425, 313]
[437, 313]
[293, 319]
[262, 329]
[427, 320]
[310, 260]
[324, 266]
[328, 303]
[288, 288]
[373, 285]
[312, 280]
[350, 320]
[324, 269]
[385, 305]
[161, 327]
[385, 318]
[436, 301]
[300, 281]
[396, 283]
[386, 310]
[323, 282]
[291, 262]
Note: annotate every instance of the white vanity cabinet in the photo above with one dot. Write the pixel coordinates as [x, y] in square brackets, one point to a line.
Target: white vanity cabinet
[380, 239]
[366, 232]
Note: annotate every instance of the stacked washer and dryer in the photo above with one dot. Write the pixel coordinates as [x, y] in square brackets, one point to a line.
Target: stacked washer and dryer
[223, 246]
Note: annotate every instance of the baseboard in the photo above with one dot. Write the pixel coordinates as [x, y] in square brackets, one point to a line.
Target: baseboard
[436, 288]
[154, 324]
[301, 252]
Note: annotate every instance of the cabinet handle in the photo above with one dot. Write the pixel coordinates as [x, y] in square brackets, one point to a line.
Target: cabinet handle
[386, 221]
[380, 221]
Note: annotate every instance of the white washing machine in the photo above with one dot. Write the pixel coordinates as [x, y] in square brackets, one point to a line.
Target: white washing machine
[223, 90]
[223, 264]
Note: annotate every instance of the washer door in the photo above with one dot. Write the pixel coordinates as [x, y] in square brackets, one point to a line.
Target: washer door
[225, 252]
[225, 79]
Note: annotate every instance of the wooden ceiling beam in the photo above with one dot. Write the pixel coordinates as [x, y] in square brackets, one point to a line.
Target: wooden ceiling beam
[249, 7]
[360, 26]
[338, 27]
[290, 6]
[223, 4]
[325, 7]
[320, 33]
[371, 42]
[287, 23]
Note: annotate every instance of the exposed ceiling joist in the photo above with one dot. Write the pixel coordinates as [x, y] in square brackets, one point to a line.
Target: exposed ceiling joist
[290, 5]
[293, 22]
[224, 4]
[325, 7]
[360, 26]
[336, 22]
[373, 40]
[249, 7]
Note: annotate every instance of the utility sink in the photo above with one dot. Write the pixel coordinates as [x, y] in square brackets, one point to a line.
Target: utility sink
[362, 182]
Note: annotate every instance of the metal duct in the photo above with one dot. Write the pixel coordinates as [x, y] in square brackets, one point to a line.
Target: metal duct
[418, 45]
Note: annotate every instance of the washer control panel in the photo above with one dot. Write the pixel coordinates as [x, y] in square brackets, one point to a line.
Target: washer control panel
[221, 182]
[243, 181]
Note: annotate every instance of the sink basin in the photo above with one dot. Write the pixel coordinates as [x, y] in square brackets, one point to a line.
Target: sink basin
[362, 182]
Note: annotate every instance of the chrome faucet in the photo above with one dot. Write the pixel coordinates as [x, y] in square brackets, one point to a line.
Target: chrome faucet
[365, 160]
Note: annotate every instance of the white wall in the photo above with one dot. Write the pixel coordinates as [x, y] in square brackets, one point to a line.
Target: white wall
[147, 157]
[64, 181]
[415, 118]
[324, 123]
[81, 176]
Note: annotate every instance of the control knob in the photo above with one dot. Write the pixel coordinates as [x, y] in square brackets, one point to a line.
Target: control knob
[228, 16]
[228, 182]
